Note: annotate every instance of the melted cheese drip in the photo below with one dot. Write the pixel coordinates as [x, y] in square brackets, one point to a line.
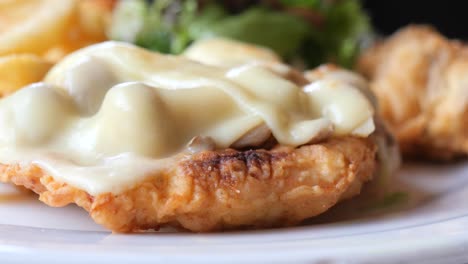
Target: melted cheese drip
[108, 115]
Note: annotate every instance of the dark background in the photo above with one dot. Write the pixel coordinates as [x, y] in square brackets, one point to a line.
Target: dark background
[448, 16]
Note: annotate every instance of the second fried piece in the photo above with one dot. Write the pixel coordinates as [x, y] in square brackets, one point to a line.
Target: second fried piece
[420, 79]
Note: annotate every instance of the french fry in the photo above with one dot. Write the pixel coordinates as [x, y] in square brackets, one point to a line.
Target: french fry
[88, 25]
[17, 71]
[95, 16]
[33, 26]
[34, 34]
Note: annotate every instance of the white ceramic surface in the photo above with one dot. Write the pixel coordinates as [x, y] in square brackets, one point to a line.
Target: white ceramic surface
[430, 227]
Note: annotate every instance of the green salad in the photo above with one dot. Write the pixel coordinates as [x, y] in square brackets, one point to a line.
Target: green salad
[304, 32]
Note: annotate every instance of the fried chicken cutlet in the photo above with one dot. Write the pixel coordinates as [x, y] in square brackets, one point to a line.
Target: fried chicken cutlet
[218, 190]
[420, 80]
[232, 155]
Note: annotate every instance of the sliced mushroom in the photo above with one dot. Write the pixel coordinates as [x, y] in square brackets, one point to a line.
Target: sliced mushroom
[287, 72]
[323, 134]
[201, 143]
[254, 137]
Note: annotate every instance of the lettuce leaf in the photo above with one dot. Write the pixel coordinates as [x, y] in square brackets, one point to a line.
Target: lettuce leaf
[128, 20]
[165, 28]
[281, 32]
[170, 26]
[345, 26]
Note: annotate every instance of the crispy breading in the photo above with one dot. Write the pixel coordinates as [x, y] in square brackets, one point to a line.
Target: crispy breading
[225, 189]
[420, 79]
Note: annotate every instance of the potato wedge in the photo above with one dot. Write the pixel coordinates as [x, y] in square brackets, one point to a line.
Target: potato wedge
[88, 25]
[33, 26]
[17, 71]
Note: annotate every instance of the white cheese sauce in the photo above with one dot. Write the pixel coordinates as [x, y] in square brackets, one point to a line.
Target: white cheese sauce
[108, 115]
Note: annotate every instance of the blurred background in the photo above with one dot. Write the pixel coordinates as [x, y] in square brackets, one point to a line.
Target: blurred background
[450, 16]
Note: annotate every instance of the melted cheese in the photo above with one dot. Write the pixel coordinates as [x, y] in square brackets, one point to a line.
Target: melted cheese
[228, 53]
[108, 115]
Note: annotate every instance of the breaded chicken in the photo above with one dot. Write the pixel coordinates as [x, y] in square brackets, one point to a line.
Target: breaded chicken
[225, 189]
[420, 79]
[255, 181]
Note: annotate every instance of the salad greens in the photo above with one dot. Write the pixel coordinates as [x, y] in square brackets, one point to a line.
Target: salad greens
[281, 32]
[304, 32]
[390, 200]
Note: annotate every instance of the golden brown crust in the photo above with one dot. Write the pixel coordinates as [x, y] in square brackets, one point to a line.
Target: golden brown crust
[227, 189]
[420, 80]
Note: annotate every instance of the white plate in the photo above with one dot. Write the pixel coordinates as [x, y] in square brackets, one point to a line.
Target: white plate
[432, 227]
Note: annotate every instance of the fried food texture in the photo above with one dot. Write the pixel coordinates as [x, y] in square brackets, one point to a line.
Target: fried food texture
[225, 189]
[257, 181]
[420, 79]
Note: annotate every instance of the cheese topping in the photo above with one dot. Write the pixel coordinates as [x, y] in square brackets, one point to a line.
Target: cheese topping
[110, 114]
[228, 53]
